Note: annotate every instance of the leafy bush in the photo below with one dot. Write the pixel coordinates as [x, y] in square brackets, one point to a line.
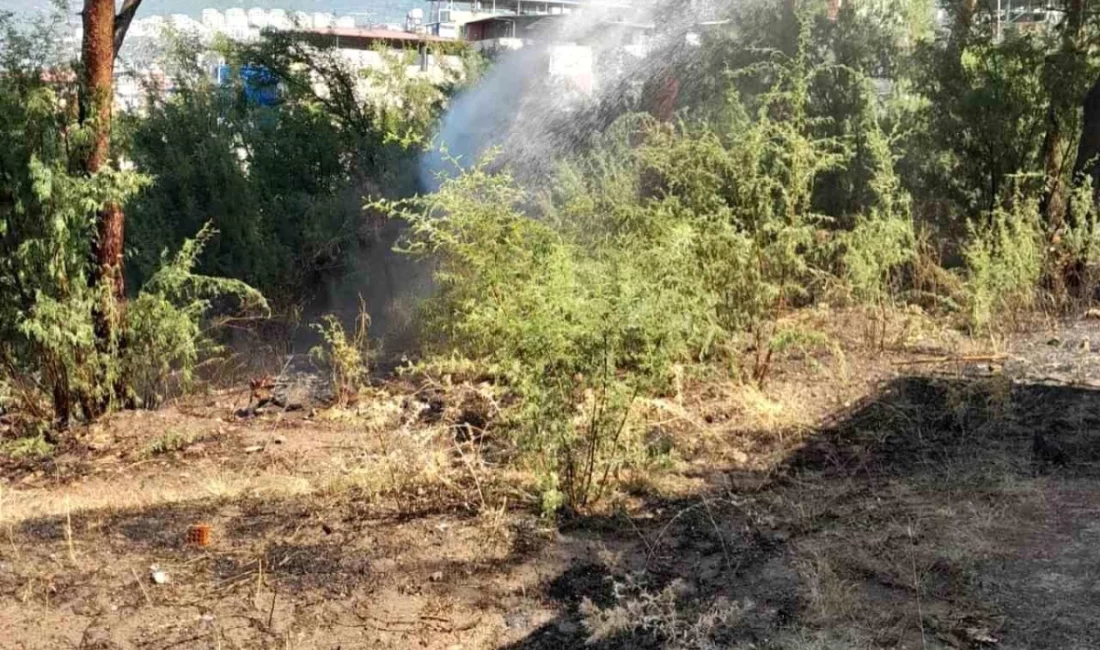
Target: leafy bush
[1004, 260]
[556, 323]
[348, 358]
[171, 441]
[33, 446]
[158, 341]
[282, 183]
[662, 244]
[163, 336]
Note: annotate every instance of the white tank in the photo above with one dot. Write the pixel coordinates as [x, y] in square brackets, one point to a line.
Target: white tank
[236, 18]
[278, 19]
[213, 19]
[257, 17]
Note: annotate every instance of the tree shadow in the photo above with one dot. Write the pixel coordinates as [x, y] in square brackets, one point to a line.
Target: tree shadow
[939, 512]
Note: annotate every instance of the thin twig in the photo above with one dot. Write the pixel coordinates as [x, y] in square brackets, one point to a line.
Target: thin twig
[473, 474]
[721, 537]
[972, 358]
[916, 585]
[144, 592]
[69, 530]
[274, 595]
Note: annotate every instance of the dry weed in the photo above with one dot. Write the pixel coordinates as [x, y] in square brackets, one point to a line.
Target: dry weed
[661, 614]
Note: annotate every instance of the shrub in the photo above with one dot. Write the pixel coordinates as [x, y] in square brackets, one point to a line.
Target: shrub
[159, 339]
[32, 447]
[568, 329]
[348, 358]
[1004, 263]
[171, 441]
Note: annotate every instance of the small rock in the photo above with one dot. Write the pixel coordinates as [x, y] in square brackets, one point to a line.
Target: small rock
[568, 628]
[1054, 342]
[251, 449]
[437, 576]
[278, 440]
[1093, 314]
[158, 576]
[740, 457]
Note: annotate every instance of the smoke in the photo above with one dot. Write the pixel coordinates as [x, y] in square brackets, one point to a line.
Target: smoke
[572, 76]
[537, 104]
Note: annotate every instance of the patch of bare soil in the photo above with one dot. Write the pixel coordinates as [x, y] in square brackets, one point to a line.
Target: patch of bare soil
[903, 506]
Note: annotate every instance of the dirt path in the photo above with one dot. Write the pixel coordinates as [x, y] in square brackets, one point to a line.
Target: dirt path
[957, 511]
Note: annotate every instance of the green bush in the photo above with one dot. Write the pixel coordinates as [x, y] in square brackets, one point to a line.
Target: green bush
[575, 332]
[348, 358]
[158, 341]
[1004, 263]
[659, 245]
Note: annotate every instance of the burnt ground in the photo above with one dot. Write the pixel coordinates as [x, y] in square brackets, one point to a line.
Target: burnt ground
[951, 506]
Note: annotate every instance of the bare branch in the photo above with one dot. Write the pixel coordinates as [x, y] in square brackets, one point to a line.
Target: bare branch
[122, 22]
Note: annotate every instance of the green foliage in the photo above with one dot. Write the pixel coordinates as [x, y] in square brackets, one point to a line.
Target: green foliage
[1004, 259]
[986, 113]
[157, 343]
[558, 323]
[171, 441]
[283, 184]
[30, 447]
[347, 358]
[163, 337]
[875, 251]
[662, 244]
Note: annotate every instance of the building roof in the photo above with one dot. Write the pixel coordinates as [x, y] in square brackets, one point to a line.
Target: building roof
[537, 18]
[372, 35]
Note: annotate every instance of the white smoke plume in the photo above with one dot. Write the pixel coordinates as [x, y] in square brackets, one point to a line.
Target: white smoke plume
[573, 70]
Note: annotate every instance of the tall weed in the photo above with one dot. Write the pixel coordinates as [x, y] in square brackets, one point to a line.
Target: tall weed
[1004, 263]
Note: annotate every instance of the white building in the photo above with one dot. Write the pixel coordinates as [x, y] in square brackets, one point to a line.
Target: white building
[323, 20]
[187, 25]
[236, 23]
[279, 19]
[213, 19]
[302, 20]
[258, 18]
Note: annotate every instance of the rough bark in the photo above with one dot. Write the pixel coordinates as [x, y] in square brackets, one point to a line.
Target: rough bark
[104, 33]
[98, 59]
[1061, 104]
[122, 22]
[1088, 148]
[1053, 202]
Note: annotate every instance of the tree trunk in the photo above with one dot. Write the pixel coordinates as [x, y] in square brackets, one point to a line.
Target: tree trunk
[103, 34]
[1088, 148]
[98, 58]
[1052, 205]
[965, 10]
[1061, 104]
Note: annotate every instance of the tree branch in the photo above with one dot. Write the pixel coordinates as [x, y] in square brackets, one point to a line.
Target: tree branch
[122, 22]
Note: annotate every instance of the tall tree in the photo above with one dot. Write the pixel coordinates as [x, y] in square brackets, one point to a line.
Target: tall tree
[1088, 147]
[1061, 73]
[103, 34]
